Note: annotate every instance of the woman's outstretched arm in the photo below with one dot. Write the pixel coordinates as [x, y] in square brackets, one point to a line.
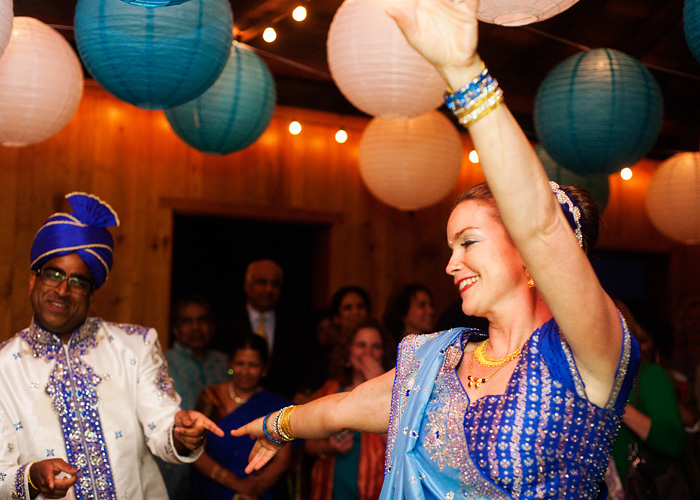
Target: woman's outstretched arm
[364, 409]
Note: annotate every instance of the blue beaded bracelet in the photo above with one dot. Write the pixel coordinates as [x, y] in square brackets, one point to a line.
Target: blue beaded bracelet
[267, 434]
[471, 94]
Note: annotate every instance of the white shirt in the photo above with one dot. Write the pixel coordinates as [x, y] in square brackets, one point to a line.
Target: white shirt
[269, 318]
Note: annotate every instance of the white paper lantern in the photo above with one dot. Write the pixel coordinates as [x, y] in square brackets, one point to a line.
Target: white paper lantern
[520, 12]
[673, 198]
[41, 83]
[6, 17]
[374, 66]
[410, 164]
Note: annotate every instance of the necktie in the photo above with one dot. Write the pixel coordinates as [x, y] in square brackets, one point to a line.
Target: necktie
[260, 329]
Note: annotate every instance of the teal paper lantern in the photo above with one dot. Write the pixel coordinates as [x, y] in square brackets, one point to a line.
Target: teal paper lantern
[154, 58]
[596, 184]
[691, 26]
[155, 3]
[233, 112]
[598, 112]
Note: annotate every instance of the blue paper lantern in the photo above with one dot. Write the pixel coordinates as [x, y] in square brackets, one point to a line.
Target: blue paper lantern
[233, 112]
[596, 184]
[154, 58]
[155, 3]
[598, 111]
[691, 26]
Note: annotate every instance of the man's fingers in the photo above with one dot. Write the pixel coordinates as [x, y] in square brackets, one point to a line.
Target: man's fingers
[212, 427]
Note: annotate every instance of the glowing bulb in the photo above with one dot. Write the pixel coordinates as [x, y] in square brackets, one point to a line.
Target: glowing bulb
[473, 156]
[626, 173]
[294, 128]
[341, 136]
[299, 14]
[269, 35]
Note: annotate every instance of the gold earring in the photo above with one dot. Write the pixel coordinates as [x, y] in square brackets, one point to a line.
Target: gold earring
[530, 281]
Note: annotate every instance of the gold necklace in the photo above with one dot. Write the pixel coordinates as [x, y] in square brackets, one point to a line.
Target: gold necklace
[476, 382]
[483, 359]
[232, 394]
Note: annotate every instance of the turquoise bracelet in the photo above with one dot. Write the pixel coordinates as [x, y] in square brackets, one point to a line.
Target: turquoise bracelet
[267, 434]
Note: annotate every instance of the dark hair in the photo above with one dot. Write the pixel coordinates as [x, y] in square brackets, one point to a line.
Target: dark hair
[254, 342]
[590, 210]
[398, 307]
[185, 300]
[339, 357]
[340, 294]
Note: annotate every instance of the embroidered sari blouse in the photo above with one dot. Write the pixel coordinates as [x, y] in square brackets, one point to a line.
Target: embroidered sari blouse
[542, 438]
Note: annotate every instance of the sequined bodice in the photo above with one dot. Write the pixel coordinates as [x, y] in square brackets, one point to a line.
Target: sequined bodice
[541, 439]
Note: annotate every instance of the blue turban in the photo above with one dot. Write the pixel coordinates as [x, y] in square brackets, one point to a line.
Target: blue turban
[83, 232]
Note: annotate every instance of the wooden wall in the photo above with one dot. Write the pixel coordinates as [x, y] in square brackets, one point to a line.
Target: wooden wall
[130, 158]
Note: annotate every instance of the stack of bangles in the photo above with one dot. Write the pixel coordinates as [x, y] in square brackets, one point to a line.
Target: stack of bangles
[282, 428]
[476, 99]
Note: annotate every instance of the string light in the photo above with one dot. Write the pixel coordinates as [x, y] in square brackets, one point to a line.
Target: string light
[295, 128]
[626, 173]
[269, 35]
[299, 14]
[341, 136]
[473, 156]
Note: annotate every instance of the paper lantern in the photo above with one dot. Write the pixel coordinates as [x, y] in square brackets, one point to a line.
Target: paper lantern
[673, 198]
[598, 112]
[598, 185]
[520, 12]
[374, 66]
[232, 113]
[155, 3]
[6, 17]
[41, 83]
[691, 26]
[154, 58]
[410, 164]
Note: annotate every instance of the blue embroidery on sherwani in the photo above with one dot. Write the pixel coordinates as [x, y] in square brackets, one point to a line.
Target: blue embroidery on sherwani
[19, 484]
[72, 389]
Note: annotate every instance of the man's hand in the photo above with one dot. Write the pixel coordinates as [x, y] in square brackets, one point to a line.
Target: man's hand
[190, 430]
[44, 476]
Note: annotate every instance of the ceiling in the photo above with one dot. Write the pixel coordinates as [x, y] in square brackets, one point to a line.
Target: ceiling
[520, 57]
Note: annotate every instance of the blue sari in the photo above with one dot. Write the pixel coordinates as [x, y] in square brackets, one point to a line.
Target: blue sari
[232, 452]
[541, 439]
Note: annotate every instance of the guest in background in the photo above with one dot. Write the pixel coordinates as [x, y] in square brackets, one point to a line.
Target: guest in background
[351, 305]
[192, 364]
[350, 465]
[283, 330]
[410, 312]
[652, 418]
[232, 403]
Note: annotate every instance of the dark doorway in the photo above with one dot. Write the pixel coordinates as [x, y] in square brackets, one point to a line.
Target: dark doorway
[210, 255]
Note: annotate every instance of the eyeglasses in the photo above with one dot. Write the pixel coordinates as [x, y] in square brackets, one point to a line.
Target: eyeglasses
[54, 277]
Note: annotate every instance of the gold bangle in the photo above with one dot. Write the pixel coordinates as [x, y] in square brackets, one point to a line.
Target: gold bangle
[482, 109]
[29, 476]
[284, 419]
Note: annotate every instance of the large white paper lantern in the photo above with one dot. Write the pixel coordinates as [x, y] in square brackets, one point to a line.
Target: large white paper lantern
[6, 17]
[410, 164]
[520, 12]
[673, 198]
[374, 66]
[41, 83]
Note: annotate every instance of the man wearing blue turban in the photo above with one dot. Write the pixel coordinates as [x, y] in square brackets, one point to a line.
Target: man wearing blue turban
[86, 403]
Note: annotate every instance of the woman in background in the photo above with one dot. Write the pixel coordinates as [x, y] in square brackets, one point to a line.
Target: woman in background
[410, 312]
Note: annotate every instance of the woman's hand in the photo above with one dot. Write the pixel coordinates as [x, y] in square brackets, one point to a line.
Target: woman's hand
[263, 450]
[444, 32]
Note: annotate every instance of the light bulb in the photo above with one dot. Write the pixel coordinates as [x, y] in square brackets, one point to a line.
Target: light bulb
[269, 35]
[295, 128]
[626, 173]
[299, 14]
[341, 136]
[473, 156]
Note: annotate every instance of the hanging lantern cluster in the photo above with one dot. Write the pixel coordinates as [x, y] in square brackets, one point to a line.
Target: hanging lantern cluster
[598, 111]
[673, 198]
[234, 111]
[154, 58]
[373, 65]
[42, 83]
[410, 164]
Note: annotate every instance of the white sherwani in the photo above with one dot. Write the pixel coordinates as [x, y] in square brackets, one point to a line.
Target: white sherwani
[104, 403]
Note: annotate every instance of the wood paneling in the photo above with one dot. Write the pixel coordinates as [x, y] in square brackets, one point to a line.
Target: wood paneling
[130, 158]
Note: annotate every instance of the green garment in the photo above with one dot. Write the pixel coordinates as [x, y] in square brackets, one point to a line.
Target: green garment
[657, 399]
